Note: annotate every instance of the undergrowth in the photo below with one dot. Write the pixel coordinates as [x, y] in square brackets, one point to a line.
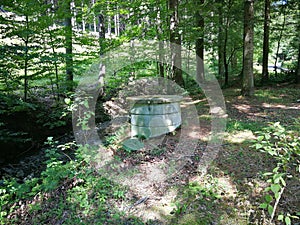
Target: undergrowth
[67, 191]
[284, 146]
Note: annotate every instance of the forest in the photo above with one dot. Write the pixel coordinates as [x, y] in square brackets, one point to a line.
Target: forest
[150, 112]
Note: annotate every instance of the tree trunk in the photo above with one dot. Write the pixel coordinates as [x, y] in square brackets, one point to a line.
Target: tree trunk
[26, 60]
[220, 44]
[223, 41]
[73, 18]
[101, 30]
[175, 40]
[69, 47]
[159, 35]
[226, 72]
[94, 18]
[55, 62]
[83, 18]
[109, 26]
[265, 73]
[161, 69]
[233, 59]
[248, 78]
[117, 24]
[298, 66]
[282, 27]
[200, 77]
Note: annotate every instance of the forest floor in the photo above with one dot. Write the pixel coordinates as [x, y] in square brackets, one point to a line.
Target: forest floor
[229, 192]
[232, 188]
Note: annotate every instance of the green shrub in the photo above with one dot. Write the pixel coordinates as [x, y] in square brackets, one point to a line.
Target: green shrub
[284, 147]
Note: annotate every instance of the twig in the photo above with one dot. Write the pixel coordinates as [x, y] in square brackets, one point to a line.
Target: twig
[67, 156]
[27, 150]
[140, 201]
[276, 203]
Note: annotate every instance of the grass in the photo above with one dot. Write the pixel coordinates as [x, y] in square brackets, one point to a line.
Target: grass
[234, 125]
[273, 95]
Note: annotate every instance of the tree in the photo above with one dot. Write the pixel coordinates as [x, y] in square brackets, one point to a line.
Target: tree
[298, 40]
[248, 78]
[298, 66]
[101, 29]
[200, 44]
[221, 48]
[265, 73]
[68, 44]
[23, 25]
[224, 53]
[224, 48]
[175, 39]
[281, 33]
[284, 35]
[159, 36]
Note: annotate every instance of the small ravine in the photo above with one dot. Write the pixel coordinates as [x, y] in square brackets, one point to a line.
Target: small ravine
[24, 131]
[23, 134]
[22, 137]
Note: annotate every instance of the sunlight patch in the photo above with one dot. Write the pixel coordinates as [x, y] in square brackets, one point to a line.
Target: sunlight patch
[240, 136]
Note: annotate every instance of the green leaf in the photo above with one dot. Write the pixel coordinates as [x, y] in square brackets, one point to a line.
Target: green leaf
[268, 174]
[275, 188]
[86, 103]
[258, 146]
[132, 145]
[280, 217]
[260, 138]
[263, 205]
[277, 133]
[287, 221]
[270, 209]
[268, 188]
[276, 124]
[282, 181]
[277, 177]
[67, 101]
[267, 136]
[268, 198]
